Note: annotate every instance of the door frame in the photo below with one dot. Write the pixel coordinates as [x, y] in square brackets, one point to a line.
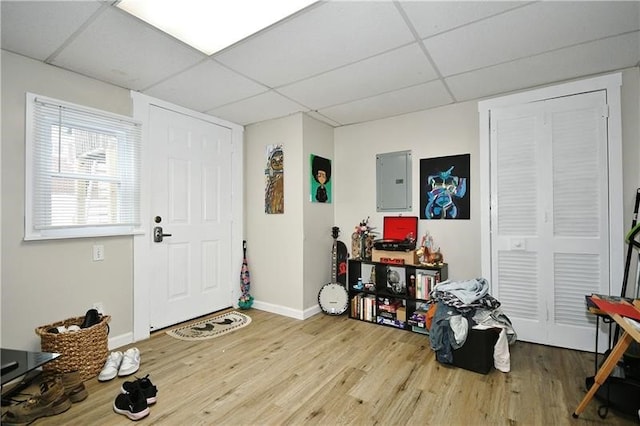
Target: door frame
[142, 285]
[611, 84]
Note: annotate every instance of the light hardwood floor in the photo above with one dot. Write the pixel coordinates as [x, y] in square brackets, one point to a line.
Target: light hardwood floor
[330, 370]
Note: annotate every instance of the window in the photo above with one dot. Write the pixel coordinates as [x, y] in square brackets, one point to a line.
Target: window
[82, 171]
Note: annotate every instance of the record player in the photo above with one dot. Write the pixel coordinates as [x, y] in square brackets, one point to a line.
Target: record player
[398, 233]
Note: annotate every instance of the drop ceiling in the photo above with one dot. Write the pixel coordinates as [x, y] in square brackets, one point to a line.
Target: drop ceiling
[342, 62]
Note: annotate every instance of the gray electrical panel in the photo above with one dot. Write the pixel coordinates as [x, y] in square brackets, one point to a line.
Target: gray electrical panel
[393, 181]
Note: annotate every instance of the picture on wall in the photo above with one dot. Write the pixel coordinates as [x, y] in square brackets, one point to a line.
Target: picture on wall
[274, 180]
[320, 179]
[444, 187]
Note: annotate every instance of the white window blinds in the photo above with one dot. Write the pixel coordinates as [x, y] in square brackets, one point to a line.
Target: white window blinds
[83, 171]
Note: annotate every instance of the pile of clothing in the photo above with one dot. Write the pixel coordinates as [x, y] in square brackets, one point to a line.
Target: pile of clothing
[461, 305]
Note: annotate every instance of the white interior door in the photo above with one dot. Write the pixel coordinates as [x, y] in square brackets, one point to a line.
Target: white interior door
[190, 199]
[549, 216]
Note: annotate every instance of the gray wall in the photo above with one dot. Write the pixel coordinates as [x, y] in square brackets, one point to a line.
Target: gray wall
[48, 281]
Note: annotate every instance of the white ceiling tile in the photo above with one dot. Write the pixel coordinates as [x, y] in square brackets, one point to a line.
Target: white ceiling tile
[597, 57]
[325, 37]
[258, 108]
[403, 67]
[433, 17]
[37, 28]
[417, 98]
[207, 85]
[125, 51]
[351, 61]
[528, 31]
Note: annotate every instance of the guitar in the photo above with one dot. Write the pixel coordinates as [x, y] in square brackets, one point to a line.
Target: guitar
[333, 297]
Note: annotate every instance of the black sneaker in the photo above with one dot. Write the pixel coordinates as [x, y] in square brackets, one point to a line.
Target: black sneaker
[133, 405]
[145, 385]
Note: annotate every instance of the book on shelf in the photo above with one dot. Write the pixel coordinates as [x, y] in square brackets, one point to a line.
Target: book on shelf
[363, 307]
[418, 319]
[419, 316]
[425, 281]
[392, 322]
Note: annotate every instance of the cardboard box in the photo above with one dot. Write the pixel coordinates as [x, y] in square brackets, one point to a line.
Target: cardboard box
[395, 257]
[401, 314]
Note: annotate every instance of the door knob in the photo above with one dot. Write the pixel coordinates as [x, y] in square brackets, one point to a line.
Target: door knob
[158, 236]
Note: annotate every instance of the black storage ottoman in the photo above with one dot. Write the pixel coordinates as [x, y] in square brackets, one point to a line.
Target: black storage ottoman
[477, 352]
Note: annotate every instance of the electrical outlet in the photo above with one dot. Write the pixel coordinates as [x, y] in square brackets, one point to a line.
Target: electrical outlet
[98, 252]
[98, 307]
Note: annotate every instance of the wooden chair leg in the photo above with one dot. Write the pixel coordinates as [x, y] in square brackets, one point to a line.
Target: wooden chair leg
[604, 371]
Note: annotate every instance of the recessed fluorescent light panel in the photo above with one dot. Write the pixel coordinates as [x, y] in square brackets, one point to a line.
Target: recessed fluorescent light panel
[212, 25]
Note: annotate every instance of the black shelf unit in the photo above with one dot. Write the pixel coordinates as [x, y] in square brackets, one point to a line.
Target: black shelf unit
[396, 293]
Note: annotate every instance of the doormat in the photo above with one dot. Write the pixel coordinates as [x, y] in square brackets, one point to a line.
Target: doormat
[211, 327]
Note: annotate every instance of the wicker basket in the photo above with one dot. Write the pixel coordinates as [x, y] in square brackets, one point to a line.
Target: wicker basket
[85, 350]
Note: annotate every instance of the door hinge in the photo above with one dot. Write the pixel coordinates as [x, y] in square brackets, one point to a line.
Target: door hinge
[605, 111]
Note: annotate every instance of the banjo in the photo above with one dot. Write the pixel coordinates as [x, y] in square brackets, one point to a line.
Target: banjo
[333, 297]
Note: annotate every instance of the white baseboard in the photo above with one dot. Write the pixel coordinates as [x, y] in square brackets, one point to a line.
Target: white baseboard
[120, 341]
[278, 309]
[286, 311]
[309, 312]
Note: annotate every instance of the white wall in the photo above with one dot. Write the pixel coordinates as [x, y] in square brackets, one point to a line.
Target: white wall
[444, 131]
[275, 241]
[289, 254]
[630, 98]
[448, 130]
[318, 217]
[48, 281]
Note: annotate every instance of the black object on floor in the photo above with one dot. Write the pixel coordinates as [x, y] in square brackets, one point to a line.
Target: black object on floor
[149, 390]
[477, 352]
[622, 395]
[133, 405]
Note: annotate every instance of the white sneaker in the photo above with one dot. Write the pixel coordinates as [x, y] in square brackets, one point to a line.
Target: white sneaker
[130, 362]
[111, 366]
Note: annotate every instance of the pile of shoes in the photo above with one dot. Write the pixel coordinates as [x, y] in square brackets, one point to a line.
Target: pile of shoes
[91, 318]
[135, 396]
[57, 393]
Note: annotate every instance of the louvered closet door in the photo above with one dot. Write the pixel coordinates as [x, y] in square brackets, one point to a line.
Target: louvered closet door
[550, 216]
